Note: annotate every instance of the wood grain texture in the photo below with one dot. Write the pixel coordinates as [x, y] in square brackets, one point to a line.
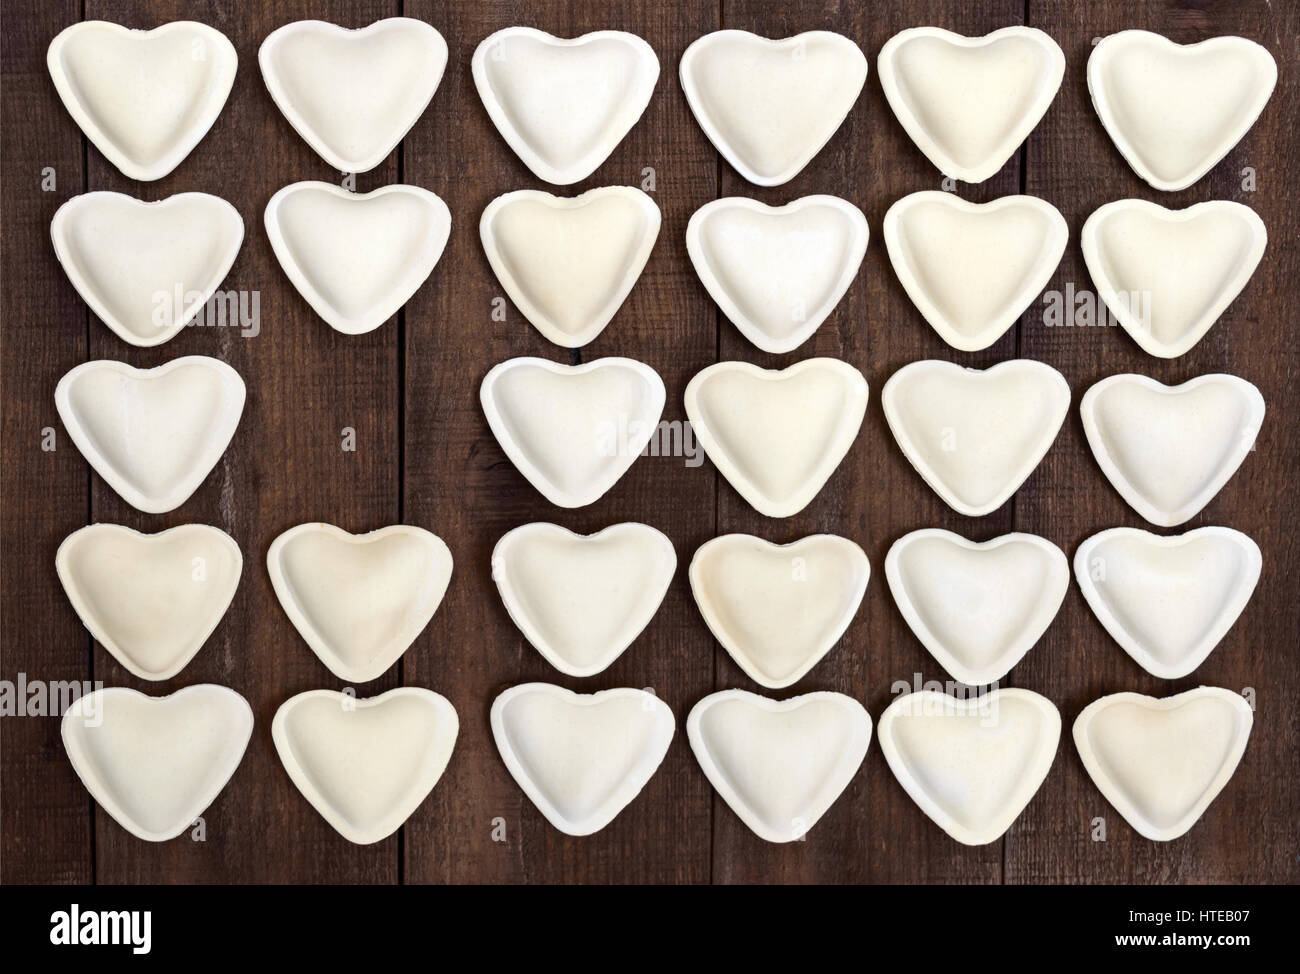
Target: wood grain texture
[45, 824]
[426, 457]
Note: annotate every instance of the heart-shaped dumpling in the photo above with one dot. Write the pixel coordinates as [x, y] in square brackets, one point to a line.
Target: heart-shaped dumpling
[564, 104]
[582, 599]
[778, 609]
[581, 758]
[972, 269]
[568, 264]
[1167, 275]
[974, 436]
[155, 763]
[359, 600]
[145, 98]
[1161, 762]
[152, 434]
[968, 102]
[777, 435]
[770, 105]
[146, 269]
[777, 271]
[779, 764]
[572, 430]
[1168, 600]
[972, 764]
[365, 765]
[353, 94]
[151, 600]
[356, 257]
[1169, 449]
[1175, 110]
[977, 607]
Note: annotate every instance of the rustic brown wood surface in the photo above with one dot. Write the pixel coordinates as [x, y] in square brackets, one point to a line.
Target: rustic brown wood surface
[425, 456]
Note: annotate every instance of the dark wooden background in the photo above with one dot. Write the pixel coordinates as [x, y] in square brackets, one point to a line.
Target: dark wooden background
[425, 457]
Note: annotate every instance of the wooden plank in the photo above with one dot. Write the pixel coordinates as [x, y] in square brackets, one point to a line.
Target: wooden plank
[1248, 834]
[875, 497]
[285, 466]
[43, 495]
[459, 483]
